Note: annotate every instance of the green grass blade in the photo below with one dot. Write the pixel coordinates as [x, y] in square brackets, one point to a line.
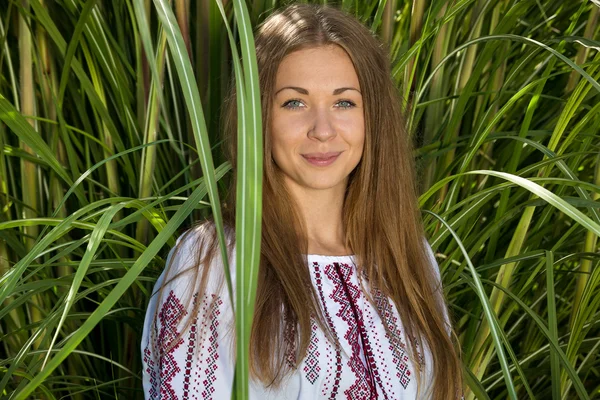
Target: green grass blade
[552, 326]
[249, 199]
[548, 196]
[110, 300]
[188, 84]
[95, 241]
[19, 125]
[571, 372]
[487, 310]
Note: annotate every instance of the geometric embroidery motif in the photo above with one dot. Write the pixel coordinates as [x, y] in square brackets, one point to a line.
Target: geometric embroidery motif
[169, 316]
[169, 339]
[311, 364]
[151, 370]
[345, 297]
[398, 349]
[213, 355]
[189, 359]
[289, 338]
[338, 353]
[383, 383]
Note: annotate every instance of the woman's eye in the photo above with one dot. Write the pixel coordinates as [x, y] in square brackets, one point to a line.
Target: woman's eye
[293, 104]
[345, 104]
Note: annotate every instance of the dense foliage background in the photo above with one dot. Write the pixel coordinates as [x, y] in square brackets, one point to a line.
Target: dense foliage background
[105, 158]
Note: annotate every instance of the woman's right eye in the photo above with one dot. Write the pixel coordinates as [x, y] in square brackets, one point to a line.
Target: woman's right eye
[293, 104]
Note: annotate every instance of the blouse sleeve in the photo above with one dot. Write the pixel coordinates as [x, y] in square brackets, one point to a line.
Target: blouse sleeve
[187, 354]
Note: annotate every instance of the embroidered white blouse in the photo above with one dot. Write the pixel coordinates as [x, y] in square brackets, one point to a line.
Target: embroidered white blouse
[200, 364]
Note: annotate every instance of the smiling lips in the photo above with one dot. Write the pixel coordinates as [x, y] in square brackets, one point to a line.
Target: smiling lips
[322, 159]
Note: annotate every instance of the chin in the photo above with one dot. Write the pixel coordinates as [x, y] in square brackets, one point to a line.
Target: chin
[324, 185]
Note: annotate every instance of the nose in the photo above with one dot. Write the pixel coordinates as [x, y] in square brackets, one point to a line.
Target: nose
[323, 128]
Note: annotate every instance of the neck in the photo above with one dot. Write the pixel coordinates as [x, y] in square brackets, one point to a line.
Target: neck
[321, 211]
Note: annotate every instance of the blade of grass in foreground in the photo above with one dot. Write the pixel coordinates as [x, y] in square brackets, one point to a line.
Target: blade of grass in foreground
[248, 191]
[249, 199]
[181, 59]
[487, 310]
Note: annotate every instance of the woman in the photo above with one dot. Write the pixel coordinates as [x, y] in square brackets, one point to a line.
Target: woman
[349, 303]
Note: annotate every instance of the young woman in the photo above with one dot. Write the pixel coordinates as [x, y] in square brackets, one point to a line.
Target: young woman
[349, 303]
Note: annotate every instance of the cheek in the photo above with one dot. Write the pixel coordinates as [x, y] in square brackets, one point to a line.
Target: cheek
[358, 140]
[280, 147]
[359, 152]
[286, 134]
[358, 134]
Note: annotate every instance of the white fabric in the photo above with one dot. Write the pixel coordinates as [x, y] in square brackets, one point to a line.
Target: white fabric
[200, 365]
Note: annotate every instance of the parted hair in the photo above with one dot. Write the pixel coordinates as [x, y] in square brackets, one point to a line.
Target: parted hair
[381, 218]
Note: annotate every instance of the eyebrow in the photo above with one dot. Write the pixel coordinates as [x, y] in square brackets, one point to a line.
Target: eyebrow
[304, 91]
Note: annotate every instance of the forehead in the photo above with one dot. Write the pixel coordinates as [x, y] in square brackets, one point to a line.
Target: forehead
[327, 65]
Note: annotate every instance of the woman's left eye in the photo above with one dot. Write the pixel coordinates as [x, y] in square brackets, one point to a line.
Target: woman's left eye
[293, 104]
[345, 104]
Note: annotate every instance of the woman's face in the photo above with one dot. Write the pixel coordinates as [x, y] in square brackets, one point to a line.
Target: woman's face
[317, 120]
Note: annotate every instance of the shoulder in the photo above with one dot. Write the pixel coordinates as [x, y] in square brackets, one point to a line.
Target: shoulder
[437, 286]
[188, 323]
[195, 261]
[202, 239]
[432, 261]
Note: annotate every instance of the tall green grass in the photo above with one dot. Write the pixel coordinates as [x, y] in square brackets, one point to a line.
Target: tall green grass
[110, 147]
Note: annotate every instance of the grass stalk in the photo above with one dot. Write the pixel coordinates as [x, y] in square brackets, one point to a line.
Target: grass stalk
[6, 54]
[49, 89]
[182, 12]
[465, 74]
[416, 26]
[496, 83]
[435, 112]
[142, 72]
[15, 320]
[151, 130]
[589, 246]
[586, 301]
[387, 21]
[107, 139]
[29, 170]
[583, 51]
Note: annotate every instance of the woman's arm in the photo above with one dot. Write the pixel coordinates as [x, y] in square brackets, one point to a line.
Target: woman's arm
[186, 343]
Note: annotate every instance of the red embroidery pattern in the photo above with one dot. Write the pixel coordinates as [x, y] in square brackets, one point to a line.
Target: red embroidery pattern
[189, 357]
[151, 370]
[338, 353]
[213, 355]
[370, 358]
[311, 364]
[397, 347]
[382, 373]
[204, 377]
[289, 337]
[171, 313]
[360, 389]
[162, 351]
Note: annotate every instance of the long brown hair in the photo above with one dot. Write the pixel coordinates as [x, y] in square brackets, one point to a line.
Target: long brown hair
[381, 219]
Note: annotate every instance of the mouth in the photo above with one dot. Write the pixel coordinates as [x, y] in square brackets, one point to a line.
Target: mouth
[322, 159]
